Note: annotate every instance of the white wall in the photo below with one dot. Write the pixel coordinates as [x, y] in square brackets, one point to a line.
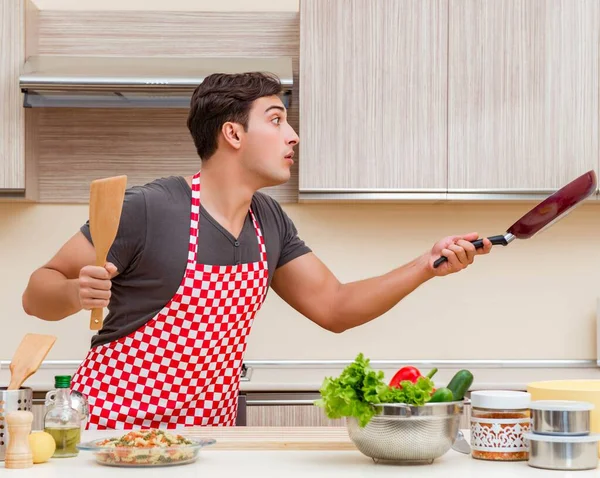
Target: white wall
[532, 299]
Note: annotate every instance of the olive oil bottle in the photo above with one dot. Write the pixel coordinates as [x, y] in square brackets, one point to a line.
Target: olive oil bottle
[62, 421]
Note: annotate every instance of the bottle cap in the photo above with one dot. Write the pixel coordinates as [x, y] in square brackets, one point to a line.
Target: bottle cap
[62, 381]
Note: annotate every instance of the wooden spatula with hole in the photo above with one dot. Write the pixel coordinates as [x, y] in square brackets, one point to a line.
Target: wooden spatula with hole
[29, 355]
[106, 205]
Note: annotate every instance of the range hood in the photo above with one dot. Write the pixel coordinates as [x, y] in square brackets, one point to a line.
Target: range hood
[118, 82]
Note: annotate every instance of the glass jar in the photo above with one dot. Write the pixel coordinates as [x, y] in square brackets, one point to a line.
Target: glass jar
[62, 421]
[499, 421]
[78, 402]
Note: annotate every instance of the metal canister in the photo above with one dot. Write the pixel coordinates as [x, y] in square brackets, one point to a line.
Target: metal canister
[561, 417]
[10, 401]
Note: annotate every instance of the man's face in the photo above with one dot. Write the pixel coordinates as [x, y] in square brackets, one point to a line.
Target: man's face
[268, 144]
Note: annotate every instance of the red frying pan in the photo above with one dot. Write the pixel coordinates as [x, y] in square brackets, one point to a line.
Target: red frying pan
[545, 213]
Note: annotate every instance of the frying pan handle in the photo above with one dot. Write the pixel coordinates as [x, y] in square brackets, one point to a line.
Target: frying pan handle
[478, 243]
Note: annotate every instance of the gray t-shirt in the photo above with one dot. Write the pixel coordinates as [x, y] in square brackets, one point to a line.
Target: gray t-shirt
[151, 249]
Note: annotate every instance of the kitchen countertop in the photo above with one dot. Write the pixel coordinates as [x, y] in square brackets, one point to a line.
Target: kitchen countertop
[215, 461]
[310, 379]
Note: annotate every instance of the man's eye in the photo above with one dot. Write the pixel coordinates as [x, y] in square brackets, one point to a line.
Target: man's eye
[277, 119]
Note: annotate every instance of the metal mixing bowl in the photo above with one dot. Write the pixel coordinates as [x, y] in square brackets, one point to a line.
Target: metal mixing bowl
[403, 433]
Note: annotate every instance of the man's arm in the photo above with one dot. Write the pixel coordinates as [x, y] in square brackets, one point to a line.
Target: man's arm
[68, 282]
[313, 290]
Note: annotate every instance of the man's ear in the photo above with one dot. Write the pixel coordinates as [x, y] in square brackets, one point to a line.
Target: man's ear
[232, 132]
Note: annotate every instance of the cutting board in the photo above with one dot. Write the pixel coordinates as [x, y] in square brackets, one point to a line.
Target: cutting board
[273, 438]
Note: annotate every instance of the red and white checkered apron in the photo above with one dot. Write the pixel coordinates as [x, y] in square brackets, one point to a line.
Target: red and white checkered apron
[183, 367]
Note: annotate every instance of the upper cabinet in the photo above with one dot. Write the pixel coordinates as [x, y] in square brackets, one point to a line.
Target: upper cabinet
[473, 99]
[12, 125]
[522, 94]
[373, 105]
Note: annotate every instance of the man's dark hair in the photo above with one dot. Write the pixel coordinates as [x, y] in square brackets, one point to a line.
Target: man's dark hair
[225, 97]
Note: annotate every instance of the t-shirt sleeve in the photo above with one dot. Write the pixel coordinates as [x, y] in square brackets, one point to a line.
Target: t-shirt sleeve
[131, 234]
[291, 244]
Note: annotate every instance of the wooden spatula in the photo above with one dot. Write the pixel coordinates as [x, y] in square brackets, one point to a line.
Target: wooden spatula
[29, 355]
[106, 205]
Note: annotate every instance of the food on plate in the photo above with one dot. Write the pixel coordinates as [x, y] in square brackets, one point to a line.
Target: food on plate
[359, 388]
[42, 446]
[146, 438]
[145, 447]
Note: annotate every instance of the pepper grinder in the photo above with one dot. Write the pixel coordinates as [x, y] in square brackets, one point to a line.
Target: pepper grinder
[18, 452]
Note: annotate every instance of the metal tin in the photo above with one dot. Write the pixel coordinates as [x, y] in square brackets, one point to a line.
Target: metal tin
[561, 417]
[11, 401]
[553, 452]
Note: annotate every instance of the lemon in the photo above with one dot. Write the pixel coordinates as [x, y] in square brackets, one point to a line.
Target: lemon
[42, 446]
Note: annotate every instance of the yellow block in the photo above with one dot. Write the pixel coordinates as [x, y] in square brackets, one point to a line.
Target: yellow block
[577, 390]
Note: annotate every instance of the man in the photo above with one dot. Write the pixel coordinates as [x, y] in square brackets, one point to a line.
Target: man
[192, 263]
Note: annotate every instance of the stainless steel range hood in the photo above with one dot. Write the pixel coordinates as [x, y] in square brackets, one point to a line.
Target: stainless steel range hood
[116, 82]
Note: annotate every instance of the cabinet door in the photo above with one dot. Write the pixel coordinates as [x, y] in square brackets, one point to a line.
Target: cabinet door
[12, 155]
[523, 93]
[289, 416]
[373, 98]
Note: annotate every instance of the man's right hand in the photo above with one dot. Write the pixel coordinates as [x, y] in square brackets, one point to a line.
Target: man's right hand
[94, 286]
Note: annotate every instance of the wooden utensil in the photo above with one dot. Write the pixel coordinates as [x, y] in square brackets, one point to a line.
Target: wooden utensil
[29, 355]
[106, 205]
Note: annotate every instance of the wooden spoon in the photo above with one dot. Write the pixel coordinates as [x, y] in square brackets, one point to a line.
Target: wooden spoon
[106, 205]
[29, 355]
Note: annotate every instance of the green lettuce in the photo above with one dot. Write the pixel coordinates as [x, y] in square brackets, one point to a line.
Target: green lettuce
[359, 388]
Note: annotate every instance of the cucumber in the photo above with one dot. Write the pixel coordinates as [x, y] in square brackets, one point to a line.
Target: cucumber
[442, 395]
[460, 383]
[431, 373]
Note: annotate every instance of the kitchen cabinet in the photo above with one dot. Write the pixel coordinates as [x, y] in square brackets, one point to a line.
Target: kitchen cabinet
[285, 409]
[78, 145]
[456, 99]
[288, 416]
[12, 123]
[373, 106]
[297, 409]
[522, 94]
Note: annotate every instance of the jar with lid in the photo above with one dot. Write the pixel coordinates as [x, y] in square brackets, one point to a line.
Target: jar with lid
[499, 421]
[62, 421]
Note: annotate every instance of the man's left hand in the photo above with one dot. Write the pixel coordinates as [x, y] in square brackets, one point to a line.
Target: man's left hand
[460, 253]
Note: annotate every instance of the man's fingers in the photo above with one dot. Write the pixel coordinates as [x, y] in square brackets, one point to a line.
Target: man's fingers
[471, 236]
[453, 261]
[88, 304]
[87, 282]
[460, 253]
[469, 249]
[487, 246]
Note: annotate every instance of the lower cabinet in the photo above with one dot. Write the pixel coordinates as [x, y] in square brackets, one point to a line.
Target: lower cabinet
[38, 410]
[289, 416]
[266, 410]
[296, 410]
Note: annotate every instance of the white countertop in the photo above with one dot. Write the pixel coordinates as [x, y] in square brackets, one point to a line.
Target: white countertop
[310, 379]
[291, 464]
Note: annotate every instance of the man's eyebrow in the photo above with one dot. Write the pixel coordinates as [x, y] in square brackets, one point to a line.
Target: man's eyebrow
[275, 107]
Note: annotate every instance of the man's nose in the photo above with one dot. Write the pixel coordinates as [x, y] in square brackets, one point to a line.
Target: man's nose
[293, 138]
